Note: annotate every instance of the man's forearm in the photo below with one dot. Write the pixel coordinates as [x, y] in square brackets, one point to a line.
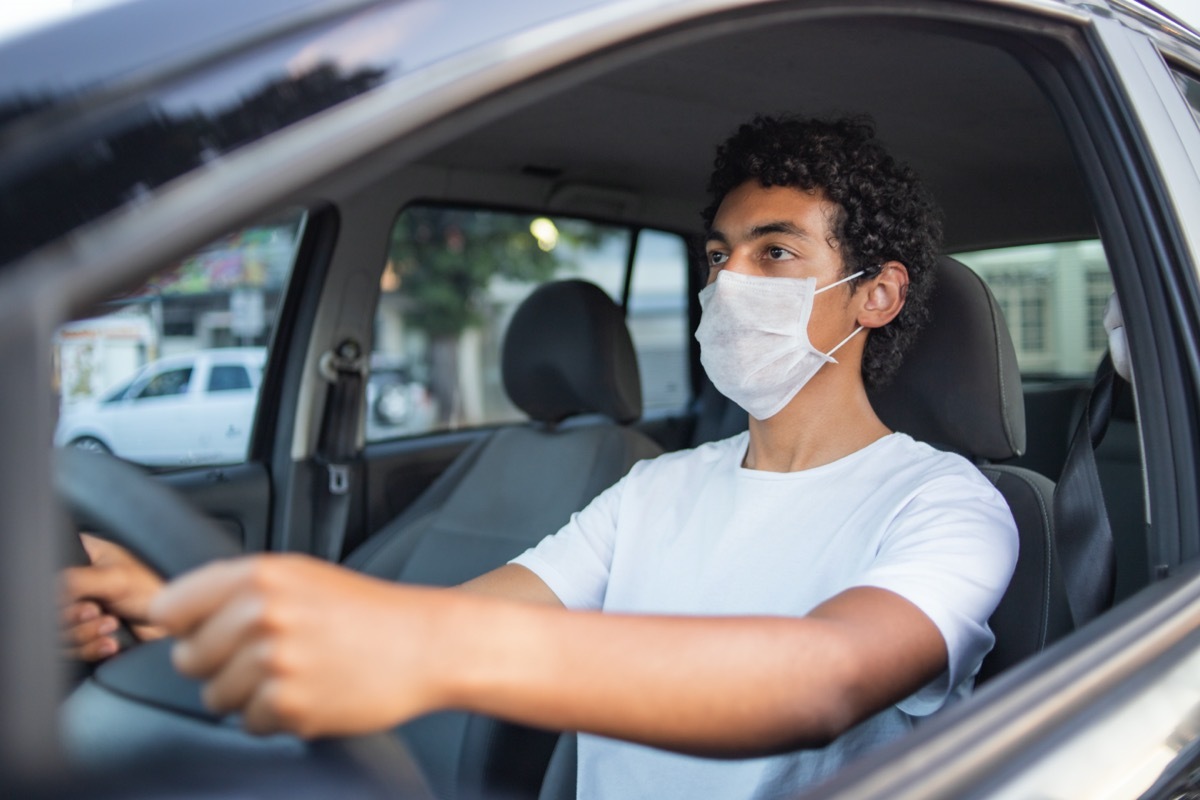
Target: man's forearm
[274, 638]
[712, 686]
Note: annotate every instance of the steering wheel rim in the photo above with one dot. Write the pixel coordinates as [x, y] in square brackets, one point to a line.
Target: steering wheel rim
[143, 515]
[127, 506]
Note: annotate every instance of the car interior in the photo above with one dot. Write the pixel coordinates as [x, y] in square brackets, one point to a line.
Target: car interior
[985, 103]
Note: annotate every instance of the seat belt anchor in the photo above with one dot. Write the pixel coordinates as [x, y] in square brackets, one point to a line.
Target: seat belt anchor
[346, 357]
[339, 478]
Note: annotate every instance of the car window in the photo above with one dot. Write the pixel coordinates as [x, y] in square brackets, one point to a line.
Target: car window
[1053, 298]
[225, 378]
[164, 384]
[453, 279]
[160, 341]
[1189, 85]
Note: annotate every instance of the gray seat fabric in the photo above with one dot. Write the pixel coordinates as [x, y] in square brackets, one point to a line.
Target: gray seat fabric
[568, 362]
[960, 389]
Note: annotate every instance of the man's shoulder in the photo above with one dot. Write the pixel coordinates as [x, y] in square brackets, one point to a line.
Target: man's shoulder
[717, 453]
[910, 466]
[905, 450]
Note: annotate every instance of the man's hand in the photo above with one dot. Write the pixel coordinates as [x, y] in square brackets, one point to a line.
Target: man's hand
[297, 644]
[92, 598]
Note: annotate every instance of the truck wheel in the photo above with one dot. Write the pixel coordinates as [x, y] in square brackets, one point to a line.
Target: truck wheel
[91, 444]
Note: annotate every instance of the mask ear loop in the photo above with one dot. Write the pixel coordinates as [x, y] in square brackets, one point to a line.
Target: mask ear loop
[857, 330]
[838, 346]
[846, 279]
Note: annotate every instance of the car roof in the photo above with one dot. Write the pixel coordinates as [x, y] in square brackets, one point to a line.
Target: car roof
[631, 143]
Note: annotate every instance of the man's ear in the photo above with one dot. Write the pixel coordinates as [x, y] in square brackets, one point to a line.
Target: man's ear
[885, 295]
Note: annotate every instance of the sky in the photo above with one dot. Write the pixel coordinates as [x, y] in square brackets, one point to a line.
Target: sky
[18, 15]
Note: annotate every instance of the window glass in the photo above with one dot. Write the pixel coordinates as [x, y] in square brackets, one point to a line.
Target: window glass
[165, 384]
[1189, 85]
[455, 276]
[1053, 298]
[657, 319]
[225, 378]
[193, 337]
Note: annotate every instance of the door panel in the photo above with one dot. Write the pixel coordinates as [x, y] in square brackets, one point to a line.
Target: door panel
[396, 472]
[237, 496]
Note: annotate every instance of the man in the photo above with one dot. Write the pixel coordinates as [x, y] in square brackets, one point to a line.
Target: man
[790, 597]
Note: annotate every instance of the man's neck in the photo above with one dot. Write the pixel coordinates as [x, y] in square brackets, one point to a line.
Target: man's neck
[828, 419]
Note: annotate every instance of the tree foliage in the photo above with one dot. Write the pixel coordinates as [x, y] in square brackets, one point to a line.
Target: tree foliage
[446, 257]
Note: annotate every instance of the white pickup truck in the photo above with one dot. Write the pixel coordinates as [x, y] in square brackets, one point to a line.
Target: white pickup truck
[187, 409]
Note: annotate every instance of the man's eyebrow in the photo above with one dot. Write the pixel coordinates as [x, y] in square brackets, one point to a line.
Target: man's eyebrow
[780, 226]
[765, 229]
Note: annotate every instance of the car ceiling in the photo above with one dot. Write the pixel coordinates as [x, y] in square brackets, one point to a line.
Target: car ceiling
[961, 110]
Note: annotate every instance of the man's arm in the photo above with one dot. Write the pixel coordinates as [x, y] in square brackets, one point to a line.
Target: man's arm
[513, 582]
[299, 645]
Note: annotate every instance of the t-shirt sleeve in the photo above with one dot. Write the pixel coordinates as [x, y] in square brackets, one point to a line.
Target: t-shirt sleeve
[575, 561]
[950, 551]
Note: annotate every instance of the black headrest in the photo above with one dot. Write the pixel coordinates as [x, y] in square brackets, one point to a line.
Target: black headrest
[959, 386]
[568, 352]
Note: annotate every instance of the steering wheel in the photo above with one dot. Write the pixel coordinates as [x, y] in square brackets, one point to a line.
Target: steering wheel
[125, 505]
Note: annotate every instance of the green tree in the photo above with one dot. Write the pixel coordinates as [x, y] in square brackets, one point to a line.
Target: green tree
[446, 257]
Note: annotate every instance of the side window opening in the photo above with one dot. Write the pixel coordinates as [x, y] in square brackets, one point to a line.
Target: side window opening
[155, 341]
[225, 378]
[455, 276]
[1053, 298]
[168, 383]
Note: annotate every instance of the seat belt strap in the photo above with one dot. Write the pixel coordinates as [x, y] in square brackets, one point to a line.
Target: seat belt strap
[345, 370]
[1082, 531]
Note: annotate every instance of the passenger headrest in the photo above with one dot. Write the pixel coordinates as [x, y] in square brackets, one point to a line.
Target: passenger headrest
[959, 386]
[568, 352]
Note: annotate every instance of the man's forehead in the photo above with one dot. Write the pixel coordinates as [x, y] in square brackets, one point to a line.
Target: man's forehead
[752, 210]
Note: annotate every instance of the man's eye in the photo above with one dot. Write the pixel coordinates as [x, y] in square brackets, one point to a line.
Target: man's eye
[716, 258]
[778, 253]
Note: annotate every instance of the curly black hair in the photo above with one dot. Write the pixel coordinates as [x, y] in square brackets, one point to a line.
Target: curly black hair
[884, 214]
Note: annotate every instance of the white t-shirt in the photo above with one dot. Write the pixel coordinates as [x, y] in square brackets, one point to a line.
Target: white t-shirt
[696, 533]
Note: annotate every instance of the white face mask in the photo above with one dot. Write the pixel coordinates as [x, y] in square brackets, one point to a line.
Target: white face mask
[753, 338]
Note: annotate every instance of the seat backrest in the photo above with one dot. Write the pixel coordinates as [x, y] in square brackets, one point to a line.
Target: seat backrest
[959, 388]
[569, 363]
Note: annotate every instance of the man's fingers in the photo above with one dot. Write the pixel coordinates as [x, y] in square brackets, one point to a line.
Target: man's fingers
[264, 713]
[95, 546]
[94, 650]
[207, 649]
[77, 612]
[231, 688]
[92, 639]
[187, 601]
[95, 583]
[84, 632]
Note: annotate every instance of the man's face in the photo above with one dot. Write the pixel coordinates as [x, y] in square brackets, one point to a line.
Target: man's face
[781, 232]
[776, 232]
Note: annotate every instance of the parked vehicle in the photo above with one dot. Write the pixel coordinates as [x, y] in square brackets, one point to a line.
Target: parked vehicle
[396, 403]
[213, 390]
[437, 161]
